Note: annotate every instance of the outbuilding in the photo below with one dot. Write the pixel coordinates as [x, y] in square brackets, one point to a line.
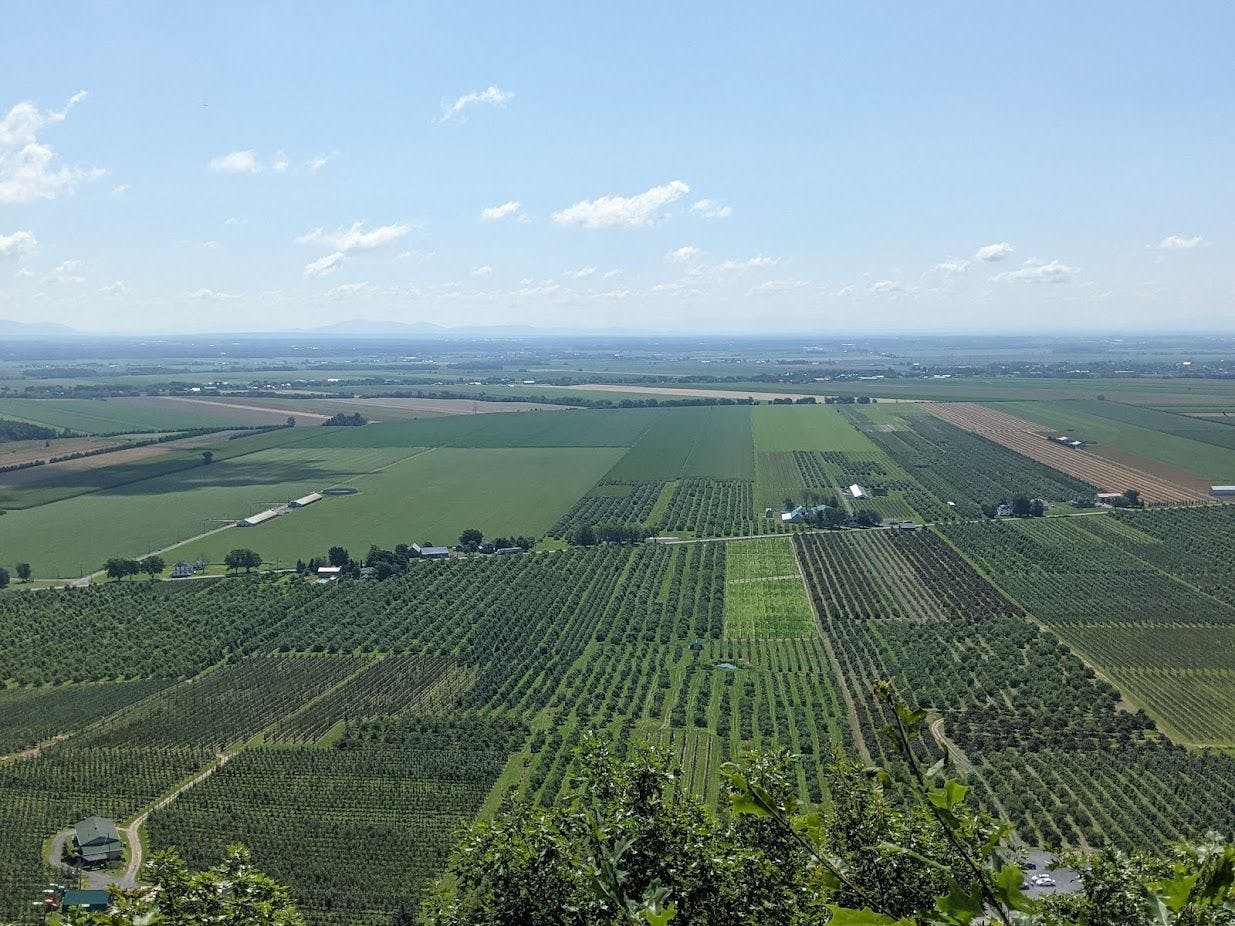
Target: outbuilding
[90, 901]
[305, 500]
[1221, 490]
[857, 491]
[259, 518]
[793, 517]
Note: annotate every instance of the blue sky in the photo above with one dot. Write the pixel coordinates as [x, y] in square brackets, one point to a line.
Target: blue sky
[692, 166]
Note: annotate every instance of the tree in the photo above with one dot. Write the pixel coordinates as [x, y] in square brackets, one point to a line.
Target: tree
[1037, 508]
[23, 572]
[4, 577]
[152, 565]
[471, 538]
[868, 517]
[338, 556]
[242, 558]
[1134, 498]
[291, 421]
[233, 892]
[584, 536]
[118, 567]
[1021, 507]
[207, 457]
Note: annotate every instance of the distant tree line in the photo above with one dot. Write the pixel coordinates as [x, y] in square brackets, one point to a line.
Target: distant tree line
[22, 430]
[345, 421]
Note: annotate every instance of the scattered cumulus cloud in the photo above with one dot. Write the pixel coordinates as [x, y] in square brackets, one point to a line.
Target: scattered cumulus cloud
[490, 96]
[952, 266]
[994, 252]
[324, 265]
[281, 163]
[758, 262]
[313, 165]
[711, 209]
[482, 271]
[1034, 271]
[684, 255]
[775, 287]
[494, 213]
[1178, 243]
[636, 211]
[210, 295]
[845, 291]
[236, 162]
[887, 288]
[18, 243]
[580, 273]
[29, 169]
[116, 288]
[121, 188]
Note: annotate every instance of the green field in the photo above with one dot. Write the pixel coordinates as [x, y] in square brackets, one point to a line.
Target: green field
[116, 415]
[805, 427]
[429, 496]
[764, 596]
[1206, 450]
[701, 443]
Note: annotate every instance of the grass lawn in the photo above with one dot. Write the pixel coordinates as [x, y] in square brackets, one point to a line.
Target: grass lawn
[764, 594]
[433, 495]
[805, 427]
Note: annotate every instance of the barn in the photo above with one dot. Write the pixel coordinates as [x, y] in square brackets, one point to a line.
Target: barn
[97, 841]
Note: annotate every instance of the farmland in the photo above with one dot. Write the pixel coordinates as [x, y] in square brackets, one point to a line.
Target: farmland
[1078, 666]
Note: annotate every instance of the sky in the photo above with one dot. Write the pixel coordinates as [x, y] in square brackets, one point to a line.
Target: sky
[730, 167]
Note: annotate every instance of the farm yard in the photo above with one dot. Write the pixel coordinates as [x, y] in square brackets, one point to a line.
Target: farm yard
[1079, 665]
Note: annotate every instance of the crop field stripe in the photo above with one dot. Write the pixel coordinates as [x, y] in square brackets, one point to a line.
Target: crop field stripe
[1021, 435]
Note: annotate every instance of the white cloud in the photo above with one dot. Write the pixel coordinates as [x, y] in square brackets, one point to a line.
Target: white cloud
[711, 209]
[952, 265]
[490, 96]
[773, 287]
[210, 295]
[994, 252]
[121, 188]
[887, 288]
[68, 271]
[324, 265]
[482, 271]
[280, 164]
[1179, 243]
[622, 211]
[313, 165]
[1034, 271]
[684, 255]
[29, 170]
[212, 246]
[581, 272]
[351, 291]
[236, 162]
[845, 291]
[609, 274]
[758, 262]
[493, 213]
[355, 238]
[232, 222]
[116, 288]
[414, 255]
[18, 243]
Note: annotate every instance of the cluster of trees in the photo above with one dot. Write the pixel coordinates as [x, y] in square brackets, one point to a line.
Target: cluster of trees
[1021, 506]
[1131, 498]
[120, 567]
[587, 535]
[804, 400]
[345, 421]
[22, 430]
[23, 574]
[473, 541]
[242, 558]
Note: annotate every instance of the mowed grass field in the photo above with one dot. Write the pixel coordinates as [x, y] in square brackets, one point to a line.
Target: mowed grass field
[764, 593]
[430, 496]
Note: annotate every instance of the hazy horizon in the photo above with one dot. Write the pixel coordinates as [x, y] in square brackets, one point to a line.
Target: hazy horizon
[650, 169]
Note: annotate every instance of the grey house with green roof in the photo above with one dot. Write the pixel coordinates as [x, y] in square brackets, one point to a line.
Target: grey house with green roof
[97, 841]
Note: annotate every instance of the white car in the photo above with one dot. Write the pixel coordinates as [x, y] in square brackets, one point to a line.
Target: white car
[1042, 881]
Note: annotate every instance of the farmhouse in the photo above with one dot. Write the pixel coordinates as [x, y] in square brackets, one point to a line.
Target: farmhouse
[97, 840]
[305, 500]
[1107, 498]
[1222, 490]
[434, 552]
[259, 518]
[793, 517]
[857, 491]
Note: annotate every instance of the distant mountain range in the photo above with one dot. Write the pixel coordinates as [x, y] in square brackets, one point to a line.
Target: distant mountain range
[374, 328]
[12, 329]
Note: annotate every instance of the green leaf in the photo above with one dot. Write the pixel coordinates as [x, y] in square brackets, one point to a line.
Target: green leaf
[961, 905]
[1007, 883]
[746, 803]
[1175, 892]
[659, 916]
[843, 916]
